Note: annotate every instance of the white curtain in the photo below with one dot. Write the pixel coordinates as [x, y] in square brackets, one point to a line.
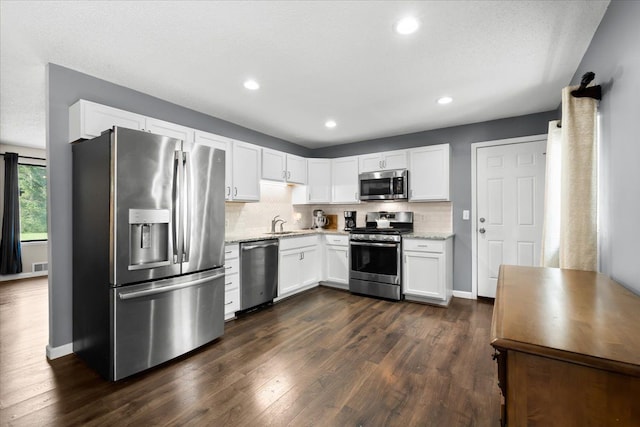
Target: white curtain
[570, 218]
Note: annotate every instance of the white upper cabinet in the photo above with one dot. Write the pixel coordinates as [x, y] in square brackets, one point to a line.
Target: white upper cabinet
[245, 172]
[383, 161]
[212, 140]
[274, 165]
[318, 188]
[279, 166]
[172, 130]
[217, 141]
[344, 179]
[429, 173]
[88, 120]
[296, 169]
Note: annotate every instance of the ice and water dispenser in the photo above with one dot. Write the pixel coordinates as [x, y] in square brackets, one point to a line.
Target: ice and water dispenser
[148, 238]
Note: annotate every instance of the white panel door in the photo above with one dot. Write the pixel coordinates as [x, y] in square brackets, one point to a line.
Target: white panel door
[172, 130]
[510, 199]
[395, 160]
[296, 169]
[424, 275]
[319, 181]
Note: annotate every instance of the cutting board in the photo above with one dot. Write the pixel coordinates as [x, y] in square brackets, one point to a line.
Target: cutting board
[332, 222]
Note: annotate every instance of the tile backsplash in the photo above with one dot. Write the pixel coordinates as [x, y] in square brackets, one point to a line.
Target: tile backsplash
[275, 200]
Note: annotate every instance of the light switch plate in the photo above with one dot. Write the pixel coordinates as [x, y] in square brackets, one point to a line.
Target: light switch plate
[465, 215]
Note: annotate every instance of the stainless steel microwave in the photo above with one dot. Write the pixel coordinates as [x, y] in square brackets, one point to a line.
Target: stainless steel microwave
[384, 185]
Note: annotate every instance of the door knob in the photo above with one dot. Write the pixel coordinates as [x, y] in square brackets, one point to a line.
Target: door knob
[482, 231]
[481, 220]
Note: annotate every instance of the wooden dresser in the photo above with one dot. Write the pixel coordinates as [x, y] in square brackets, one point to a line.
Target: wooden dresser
[568, 348]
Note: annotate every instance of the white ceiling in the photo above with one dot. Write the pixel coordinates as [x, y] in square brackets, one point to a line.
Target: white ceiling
[315, 60]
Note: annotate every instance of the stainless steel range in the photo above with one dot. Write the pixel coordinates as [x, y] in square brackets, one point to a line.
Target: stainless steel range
[375, 254]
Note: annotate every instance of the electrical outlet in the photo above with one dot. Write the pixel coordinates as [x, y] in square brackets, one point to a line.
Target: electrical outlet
[226, 223]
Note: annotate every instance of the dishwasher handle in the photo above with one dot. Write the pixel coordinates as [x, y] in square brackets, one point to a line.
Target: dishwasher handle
[265, 245]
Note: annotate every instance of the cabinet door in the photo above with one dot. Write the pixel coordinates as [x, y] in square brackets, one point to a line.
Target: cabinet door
[217, 141]
[296, 169]
[273, 165]
[245, 172]
[423, 275]
[319, 181]
[395, 160]
[310, 266]
[370, 162]
[88, 120]
[429, 173]
[344, 180]
[338, 264]
[289, 268]
[160, 127]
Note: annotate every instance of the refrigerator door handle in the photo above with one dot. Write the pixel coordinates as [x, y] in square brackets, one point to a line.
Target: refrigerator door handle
[124, 295]
[176, 206]
[186, 197]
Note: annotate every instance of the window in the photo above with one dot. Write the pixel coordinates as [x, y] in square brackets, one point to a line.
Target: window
[32, 182]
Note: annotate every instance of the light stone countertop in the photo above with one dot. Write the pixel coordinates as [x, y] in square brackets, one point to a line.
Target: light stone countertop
[254, 236]
[431, 235]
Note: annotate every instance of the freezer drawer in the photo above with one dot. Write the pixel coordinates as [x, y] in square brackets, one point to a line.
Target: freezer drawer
[157, 321]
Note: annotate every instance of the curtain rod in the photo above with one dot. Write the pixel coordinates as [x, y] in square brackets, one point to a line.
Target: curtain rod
[27, 157]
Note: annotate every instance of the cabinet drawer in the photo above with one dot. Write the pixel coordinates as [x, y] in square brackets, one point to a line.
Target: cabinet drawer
[231, 301]
[231, 266]
[297, 242]
[335, 239]
[231, 281]
[423, 245]
[231, 251]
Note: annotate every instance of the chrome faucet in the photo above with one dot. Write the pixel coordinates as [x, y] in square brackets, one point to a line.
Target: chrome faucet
[276, 219]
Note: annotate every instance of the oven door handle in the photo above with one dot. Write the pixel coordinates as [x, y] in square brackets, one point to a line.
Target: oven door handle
[378, 245]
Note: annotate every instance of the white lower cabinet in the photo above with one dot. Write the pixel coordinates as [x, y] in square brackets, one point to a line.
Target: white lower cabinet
[337, 261]
[298, 265]
[231, 281]
[427, 270]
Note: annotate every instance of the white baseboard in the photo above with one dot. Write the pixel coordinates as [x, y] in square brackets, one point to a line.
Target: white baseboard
[7, 277]
[464, 294]
[61, 350]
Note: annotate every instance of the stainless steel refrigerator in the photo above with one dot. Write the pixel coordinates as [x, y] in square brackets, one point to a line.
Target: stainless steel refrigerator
[148, 249]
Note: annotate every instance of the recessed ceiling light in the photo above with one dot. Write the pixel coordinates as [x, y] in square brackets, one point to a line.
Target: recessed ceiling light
[408, 25]
[445, 100]
[330, 124]
[251, 85]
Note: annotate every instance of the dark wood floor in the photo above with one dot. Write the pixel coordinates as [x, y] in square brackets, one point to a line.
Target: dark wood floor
[322, 358]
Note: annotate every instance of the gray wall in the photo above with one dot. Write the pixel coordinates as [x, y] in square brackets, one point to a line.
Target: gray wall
[65, 87]
[614, 55]
[460, 138]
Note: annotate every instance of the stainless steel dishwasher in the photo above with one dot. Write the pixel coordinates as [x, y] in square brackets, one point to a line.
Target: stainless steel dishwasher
[258, 272]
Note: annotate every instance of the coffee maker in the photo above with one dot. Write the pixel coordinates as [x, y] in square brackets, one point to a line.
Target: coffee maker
[349, 220]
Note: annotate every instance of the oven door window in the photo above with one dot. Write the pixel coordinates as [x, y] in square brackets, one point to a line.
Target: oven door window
[375, 259]
[375, 187]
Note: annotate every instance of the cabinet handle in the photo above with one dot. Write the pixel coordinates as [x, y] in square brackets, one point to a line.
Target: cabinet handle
[288, 174]
[235, 191]
[228, 283]
[284, 174]
[384, 164]
[228, 303]
[228, 191]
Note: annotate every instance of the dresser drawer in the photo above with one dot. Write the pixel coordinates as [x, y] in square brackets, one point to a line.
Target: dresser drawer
[423, 245]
